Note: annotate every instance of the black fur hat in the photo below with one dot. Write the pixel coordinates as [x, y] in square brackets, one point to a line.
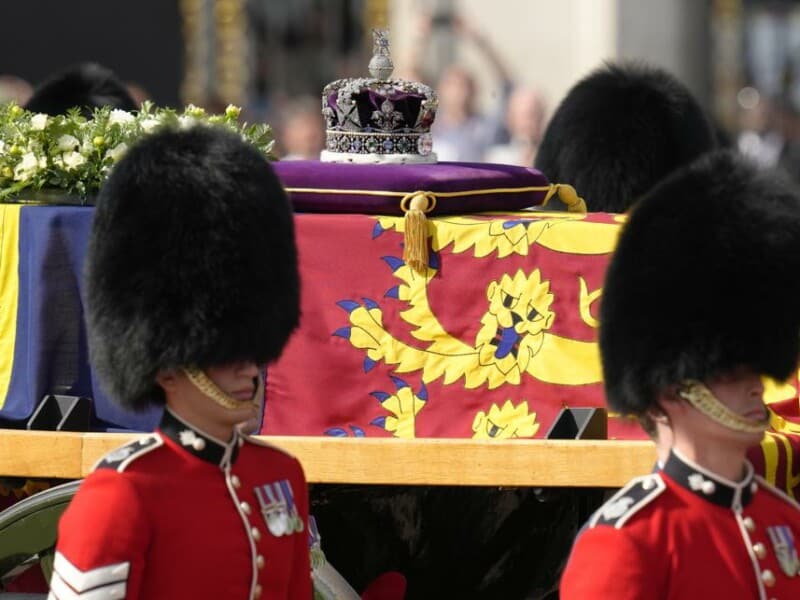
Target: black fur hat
[192, 262]
[619, 131]
[86, 86]
[704, 279]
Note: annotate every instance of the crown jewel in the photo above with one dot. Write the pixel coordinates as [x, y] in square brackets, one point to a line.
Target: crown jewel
[378, 120]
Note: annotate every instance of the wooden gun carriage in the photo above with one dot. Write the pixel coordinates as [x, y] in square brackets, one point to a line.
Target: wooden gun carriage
[447, 509]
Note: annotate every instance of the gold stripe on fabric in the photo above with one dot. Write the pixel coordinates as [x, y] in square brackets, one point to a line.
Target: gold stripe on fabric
[539, 188]
[769, 446]
[9, 292]
[791, 478]
[566, 193]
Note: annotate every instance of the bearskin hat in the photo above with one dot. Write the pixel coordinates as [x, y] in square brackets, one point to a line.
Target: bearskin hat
[703, 280]
[86, 86]
[191, 262]
[619, 131]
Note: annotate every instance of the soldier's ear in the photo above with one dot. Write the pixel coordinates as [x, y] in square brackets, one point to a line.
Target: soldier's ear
[167, 379]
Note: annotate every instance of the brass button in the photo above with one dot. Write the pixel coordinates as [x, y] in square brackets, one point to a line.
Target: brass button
[235, 482]
[255, 533]
[749, 524]
[260, 561]
[257, 591]
[768, 578]
[245, 508]
[760, 550]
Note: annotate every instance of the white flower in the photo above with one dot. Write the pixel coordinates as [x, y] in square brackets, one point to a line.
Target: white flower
[68, 142]
[117, 151]
[185, 122]
[2, 146]
[149, 124]
[120, 117]
[73, 160]
[26, 167]
[38, 122]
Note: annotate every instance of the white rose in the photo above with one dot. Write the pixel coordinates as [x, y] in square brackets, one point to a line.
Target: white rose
[26, 167]
[68, 142]
[116, 152]
[120, 117]
[73, 160]
[150, 124]
[38, 122]
[185, 122]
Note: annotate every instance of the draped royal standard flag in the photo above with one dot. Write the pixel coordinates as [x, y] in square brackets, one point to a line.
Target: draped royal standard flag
[491, 340]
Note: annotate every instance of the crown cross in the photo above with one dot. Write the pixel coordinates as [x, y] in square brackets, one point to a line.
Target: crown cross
[381, 65]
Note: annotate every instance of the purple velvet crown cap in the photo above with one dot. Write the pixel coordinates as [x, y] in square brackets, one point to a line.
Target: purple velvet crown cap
[378, 120]
[459, 188]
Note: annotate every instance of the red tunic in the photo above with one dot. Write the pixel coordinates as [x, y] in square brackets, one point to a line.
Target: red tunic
[178, 514]
[686, 533]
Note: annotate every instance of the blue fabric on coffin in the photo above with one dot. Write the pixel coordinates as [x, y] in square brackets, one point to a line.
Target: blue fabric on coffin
[50, 350]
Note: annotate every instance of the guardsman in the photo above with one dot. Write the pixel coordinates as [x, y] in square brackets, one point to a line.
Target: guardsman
[192, 286]
[619, 131]
[700, 302]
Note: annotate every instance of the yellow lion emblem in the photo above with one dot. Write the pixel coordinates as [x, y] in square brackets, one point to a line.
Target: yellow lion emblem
[514, 339]
[505, 422]
[513, 327]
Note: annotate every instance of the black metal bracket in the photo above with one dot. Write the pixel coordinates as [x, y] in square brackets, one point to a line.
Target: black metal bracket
[579, 424]
[62, 413]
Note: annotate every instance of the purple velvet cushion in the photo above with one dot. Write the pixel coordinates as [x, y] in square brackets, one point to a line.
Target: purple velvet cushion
[316, 186]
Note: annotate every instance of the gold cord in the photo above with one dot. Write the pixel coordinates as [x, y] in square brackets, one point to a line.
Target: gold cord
[703, 399]
[211, 390]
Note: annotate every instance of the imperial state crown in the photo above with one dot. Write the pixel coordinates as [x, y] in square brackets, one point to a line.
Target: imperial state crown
[377, 119]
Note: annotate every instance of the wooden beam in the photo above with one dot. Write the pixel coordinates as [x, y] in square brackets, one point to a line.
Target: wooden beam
[40, 454]
[374, 461]
[471, 462]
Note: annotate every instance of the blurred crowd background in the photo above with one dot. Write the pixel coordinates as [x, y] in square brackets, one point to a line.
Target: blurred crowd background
[499, 67]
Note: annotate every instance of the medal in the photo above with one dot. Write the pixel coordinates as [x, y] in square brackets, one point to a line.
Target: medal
[278, 508]
[783, 544]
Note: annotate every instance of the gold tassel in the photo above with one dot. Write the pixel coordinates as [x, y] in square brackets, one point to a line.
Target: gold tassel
[415, 250]
[569, 196]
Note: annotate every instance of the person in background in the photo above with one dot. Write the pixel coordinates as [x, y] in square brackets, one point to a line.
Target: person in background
[14, 89]
[301, 133]
[525, 121]
[672, 341]
[619, 131]
[86, 86]
[192, 286]
[461, 131]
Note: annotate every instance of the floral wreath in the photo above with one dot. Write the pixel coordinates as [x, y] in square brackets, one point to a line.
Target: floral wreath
[73, 155]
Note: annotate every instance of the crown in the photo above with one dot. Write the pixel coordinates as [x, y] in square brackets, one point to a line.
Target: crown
[378, 120]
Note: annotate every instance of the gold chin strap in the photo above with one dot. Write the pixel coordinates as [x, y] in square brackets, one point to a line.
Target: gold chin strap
[211, 390]
[699, 396]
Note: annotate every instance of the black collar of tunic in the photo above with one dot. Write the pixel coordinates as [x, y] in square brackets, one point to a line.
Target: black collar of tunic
[709, 486]
[197, 442]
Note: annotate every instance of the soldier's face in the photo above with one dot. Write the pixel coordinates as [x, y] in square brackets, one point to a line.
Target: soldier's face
[742, 392]
[238, 381]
